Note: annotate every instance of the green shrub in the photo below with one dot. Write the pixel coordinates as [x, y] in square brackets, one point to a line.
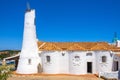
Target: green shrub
[5, 72]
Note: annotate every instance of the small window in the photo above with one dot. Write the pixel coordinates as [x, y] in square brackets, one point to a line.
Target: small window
[63, 54]
[29, 61]
[89, 54]
[77, 57]
[48, 58]
[104, 58]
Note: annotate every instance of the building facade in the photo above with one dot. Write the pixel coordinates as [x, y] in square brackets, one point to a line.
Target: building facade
[78, 57]
[64, 57]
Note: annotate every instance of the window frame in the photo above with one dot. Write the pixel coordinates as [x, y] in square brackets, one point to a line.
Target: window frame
[76, 57]
[89, 54]
[48, 59]
[104, 59]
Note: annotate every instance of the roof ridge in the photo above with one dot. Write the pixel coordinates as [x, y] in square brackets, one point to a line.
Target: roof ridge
[74, 46]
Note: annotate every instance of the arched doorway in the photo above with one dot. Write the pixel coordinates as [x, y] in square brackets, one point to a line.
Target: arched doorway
[39, 67]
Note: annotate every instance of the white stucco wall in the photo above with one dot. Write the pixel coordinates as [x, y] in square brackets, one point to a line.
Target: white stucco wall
[29, 52]
[80, 67]
[25, 68]
[64, 62]
[77, 66]
[67, 64]
[104, 66]
[58, 63]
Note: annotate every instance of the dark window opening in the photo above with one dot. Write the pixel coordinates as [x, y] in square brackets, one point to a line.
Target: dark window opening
[89, 54]
[29, 61]
[116, 65]
[104, 58]
[48, 58]
[63, 54]
[89, 67]
[77, 57]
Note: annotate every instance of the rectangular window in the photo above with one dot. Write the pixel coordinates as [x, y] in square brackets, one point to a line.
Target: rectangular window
[104, 58]
[89, 54]
[77, 57]
[48, 58]
[29, 61]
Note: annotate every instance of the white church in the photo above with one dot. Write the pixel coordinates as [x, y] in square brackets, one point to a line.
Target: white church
[64, 57]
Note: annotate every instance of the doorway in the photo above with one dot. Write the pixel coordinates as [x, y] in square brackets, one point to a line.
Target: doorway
[39, 68]
[115, 65]
[89, 67]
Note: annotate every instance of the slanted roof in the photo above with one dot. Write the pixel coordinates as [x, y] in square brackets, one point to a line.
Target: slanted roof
[117, 55]
[100, 46]
[50, 46]
[77, 46]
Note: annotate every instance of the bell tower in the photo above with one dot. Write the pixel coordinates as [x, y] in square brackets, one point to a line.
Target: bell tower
[115, 37]
[29, 58]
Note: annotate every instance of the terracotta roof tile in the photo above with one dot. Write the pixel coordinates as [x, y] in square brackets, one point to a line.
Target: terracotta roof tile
[50, 46]
[117, 55]
[77, 46]
[99, 46]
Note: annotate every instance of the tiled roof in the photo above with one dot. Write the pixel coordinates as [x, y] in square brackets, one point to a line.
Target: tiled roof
[77, 46]
[117, 55]
[50, 46]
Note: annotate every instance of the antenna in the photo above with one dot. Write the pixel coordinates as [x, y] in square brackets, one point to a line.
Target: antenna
[115, 37]
[28, 6]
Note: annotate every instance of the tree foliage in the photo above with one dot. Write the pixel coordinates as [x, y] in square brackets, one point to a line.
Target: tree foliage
[5, 72]
[8, 53]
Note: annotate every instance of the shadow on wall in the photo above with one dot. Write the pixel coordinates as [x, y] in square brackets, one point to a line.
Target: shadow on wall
[119, 75]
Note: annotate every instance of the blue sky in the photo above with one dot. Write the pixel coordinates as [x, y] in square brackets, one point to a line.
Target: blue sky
[60, 20]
